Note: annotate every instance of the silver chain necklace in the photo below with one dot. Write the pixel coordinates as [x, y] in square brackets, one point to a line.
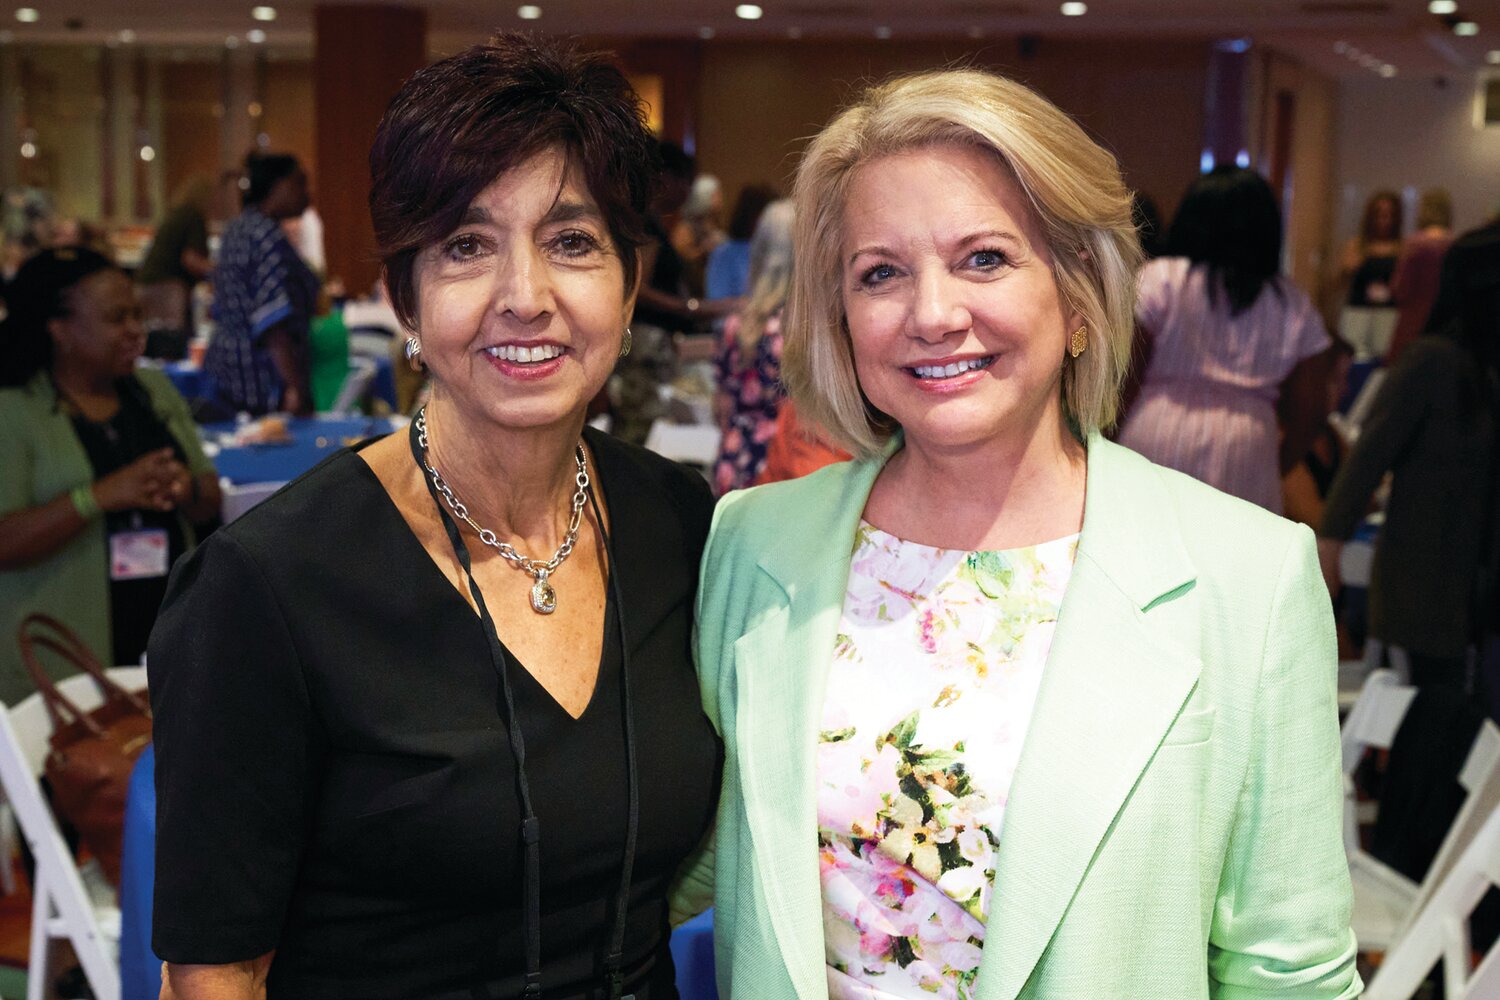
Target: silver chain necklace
[543, 596]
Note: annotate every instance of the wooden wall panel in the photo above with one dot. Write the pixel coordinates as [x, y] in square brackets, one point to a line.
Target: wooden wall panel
[362, 55]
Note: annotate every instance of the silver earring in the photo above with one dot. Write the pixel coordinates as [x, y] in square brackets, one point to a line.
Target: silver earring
[413, 351]
[625, 343]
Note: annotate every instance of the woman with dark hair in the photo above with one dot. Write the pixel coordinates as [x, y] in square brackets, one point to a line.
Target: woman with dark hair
[1229, 350]
[264, 297]
[1368, 319]
[1433, 426]
[433, 705]
[103, 474]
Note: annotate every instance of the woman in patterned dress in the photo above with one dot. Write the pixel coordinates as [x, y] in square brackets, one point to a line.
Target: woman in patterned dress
[1009, 712]
[748, 361]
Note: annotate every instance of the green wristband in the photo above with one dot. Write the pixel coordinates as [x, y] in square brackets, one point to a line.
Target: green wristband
[84, 502]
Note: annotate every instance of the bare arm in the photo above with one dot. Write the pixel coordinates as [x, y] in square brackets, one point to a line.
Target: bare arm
[688, 309]
[239, 981]
[196, 264]
[294, 395]
[32, 534]
[1303, 407]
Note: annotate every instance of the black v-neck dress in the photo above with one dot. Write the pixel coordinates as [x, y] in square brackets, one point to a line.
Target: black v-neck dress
[334, 779]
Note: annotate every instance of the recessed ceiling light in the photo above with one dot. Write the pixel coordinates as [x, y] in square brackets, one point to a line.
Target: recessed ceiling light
[1387, 71]
[748, 12]
[28, 15]
[28, 150]
[231, 42]
[1074, 9]
[528, 12]
[263, 13]
[705, 32]
[1466, 29]
[1441, 7]
[255, 36]
[147, 154]
[127, 36]
[882, 32]
[1493, 58]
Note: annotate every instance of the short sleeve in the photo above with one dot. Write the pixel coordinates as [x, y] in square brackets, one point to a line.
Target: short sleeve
[233, 738]
[1306, 334]
[1153, 294]
[16, 459]
[271, 301]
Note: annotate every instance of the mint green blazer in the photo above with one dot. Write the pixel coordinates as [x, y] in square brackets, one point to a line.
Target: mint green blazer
[1173, 827]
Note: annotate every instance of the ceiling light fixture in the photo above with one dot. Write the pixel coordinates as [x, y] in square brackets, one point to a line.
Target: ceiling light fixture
[28, 15]
[1387, 71]
[147, 154]
[28, 150]
[1074, 9]
[1466, 29]
[748, 12]
[528, 12]
[255, 36]
[1442, 7]
[263, 13]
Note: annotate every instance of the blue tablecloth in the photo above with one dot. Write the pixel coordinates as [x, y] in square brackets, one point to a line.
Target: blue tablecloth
[313, 439]
[140, 969]
[193, 383]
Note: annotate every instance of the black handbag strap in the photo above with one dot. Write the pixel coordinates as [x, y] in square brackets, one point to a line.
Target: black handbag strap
[530, 829]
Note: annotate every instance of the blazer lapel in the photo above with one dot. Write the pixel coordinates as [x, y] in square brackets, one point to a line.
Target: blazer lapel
[781, 674]
[1114, 683]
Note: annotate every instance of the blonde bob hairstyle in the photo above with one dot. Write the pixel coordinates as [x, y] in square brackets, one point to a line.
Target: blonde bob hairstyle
[1074, 187]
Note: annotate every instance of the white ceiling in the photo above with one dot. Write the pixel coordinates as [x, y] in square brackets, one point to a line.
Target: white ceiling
[1398, 32]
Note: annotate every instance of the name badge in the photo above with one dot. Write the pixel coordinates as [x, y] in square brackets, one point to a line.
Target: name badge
[138, 555]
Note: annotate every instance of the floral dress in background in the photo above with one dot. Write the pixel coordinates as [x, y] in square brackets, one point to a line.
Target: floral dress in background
[936, 669]
[753, 389]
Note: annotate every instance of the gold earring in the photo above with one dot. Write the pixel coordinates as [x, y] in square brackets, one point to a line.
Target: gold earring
[625, 343]
[1079, 342]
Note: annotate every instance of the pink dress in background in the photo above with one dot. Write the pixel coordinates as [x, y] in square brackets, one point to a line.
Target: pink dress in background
[1207, 404]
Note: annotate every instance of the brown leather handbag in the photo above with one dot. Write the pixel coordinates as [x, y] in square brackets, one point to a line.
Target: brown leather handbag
[92, 753]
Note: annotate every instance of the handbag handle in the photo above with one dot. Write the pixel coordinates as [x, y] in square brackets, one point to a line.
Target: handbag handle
[66, 643]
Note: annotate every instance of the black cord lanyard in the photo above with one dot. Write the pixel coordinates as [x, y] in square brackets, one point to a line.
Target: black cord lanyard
[530, 826]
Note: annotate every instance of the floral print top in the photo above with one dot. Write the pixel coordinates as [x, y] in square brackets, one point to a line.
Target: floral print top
[936, 669]
[750, 388]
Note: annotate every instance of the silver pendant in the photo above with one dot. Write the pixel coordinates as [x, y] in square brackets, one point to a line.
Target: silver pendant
[543, 597]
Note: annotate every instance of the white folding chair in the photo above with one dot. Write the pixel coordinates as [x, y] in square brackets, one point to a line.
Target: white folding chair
[1385, 901]
[66, 903]
[1441, 930]
[362, 372]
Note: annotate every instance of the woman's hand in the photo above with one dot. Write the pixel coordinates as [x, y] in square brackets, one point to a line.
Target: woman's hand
[155, 481]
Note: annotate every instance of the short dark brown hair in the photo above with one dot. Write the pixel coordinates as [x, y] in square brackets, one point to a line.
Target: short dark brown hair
[462, 122]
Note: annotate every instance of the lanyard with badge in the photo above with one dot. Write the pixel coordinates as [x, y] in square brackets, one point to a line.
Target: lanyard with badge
[530, 829]
[136, 551]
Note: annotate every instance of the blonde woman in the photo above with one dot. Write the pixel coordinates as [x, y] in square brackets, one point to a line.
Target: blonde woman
[1009, 712]
[748, 362]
